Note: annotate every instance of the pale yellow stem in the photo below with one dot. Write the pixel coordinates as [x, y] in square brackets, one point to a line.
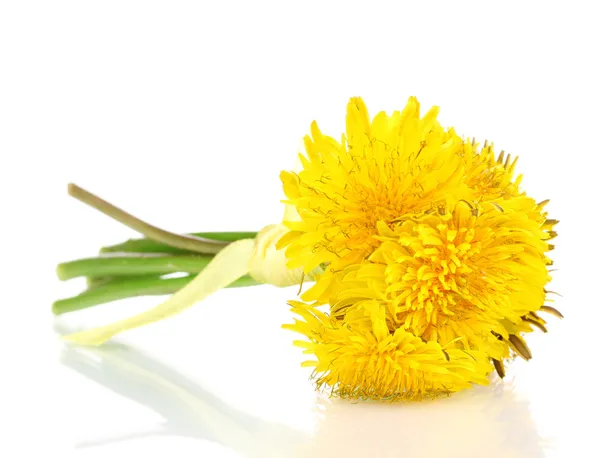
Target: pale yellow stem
[227, 266]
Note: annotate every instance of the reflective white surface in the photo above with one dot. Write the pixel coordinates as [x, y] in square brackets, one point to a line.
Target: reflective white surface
[495, 419]
[219, 381]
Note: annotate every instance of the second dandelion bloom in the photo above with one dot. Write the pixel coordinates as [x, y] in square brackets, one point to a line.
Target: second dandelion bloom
[434, 259]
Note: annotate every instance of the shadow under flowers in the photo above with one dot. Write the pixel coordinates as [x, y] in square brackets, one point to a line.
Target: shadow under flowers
[483, 422]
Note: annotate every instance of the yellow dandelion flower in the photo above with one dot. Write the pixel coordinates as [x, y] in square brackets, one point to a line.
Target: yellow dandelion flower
[382, 169]
[360, 358]
[476, 275]
[429, 247]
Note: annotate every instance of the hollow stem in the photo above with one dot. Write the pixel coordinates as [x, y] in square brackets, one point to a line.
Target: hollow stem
[151, 246]
[122, 288]
[132, 264]
[184, 242]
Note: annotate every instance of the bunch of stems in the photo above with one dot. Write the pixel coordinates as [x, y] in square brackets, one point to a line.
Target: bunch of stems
[160, 263]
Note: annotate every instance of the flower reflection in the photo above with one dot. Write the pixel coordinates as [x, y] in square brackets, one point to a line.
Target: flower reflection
[483, 422]
[187, 408]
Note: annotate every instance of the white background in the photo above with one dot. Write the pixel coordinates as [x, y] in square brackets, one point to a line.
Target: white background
[184, 113]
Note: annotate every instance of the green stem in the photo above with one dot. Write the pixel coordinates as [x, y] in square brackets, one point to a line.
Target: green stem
[184, 242]
[150, 246]
[94, 282]
[141, 264]
[113, 290]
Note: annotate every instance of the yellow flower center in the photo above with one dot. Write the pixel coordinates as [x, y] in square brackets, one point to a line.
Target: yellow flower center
[431, 273]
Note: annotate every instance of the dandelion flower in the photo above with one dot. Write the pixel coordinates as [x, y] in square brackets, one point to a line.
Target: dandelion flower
[452, 274]
[393, 166]
[360, 357]
[430, 249]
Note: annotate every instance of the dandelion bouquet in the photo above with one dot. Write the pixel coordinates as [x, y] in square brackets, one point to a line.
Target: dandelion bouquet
[428, 262]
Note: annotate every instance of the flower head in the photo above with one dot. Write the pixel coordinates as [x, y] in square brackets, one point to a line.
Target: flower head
[382, 169]
[429, 247]
[455, 273]
[360, 358]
